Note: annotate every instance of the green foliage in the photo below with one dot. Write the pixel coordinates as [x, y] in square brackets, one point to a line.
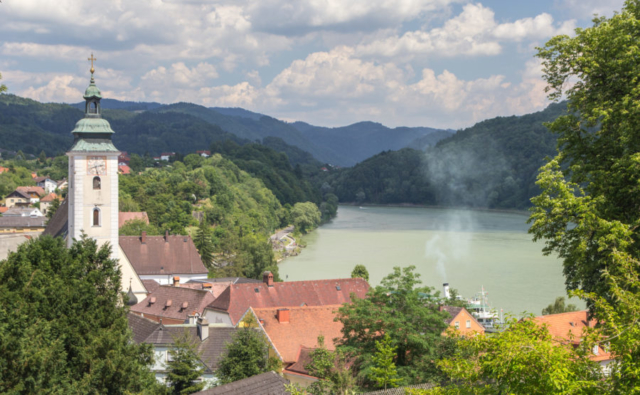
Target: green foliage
[3, 87]
[586, 212]
[204, 244]
[409, 315]
[247, 355]
[360, 271]
[51, 211]
[184, 367]
[558, 307]
[305, 216]
[524, 359]
[63, 326]
[135, 227]
[331, 368]
[42, 158]
[383, 371]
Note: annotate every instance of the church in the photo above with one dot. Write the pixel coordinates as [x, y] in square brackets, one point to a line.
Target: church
[91, 207]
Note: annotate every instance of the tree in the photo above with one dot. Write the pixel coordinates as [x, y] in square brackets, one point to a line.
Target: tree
[204, 244]
[558, 307]
[3, 87]
[135, 227]
[184, 367]
[247, 355]
[51, 211]
[305, 216]
[360, 271]
[331, 368]
[136, 163]
[587, 208]
[42, 158]
[63, 324]
[384, 372]
[524, 359]
[397, 307]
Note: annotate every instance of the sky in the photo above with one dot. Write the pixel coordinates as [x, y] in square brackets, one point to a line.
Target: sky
[435, 63]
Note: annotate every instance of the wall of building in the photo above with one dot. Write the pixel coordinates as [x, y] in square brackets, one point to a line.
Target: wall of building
[10, 242]
[217, 317]
[167, 279]
[466, 323]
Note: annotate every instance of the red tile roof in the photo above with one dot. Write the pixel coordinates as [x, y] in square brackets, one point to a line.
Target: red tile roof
[50, 198]
[3, 169]
[3, 209]
[124, 169]
[129, 215]
[162, 255]
[31, 190]
[304, 326]
[237, 299]
[150, 285]
[173, 302]
[563, 325]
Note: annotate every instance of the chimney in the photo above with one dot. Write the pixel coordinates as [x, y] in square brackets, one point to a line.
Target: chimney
[447, 294]
[267, 278]
[143, 238]
[207, 286]
[166, 235]
[192, 318]
[203, 328]
[176, 281]
[283, 316]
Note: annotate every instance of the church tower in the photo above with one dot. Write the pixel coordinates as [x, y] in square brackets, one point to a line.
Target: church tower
[93, 175]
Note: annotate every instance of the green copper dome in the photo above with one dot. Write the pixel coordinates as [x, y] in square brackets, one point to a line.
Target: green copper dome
[92, 90]
[92, 125]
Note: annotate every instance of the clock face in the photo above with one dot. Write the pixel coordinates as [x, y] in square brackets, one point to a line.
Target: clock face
[96, 165]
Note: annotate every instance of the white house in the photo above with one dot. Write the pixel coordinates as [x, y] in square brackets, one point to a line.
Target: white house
[46, 183]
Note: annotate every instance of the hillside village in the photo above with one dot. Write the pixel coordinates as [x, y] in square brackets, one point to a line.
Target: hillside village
[169, 294]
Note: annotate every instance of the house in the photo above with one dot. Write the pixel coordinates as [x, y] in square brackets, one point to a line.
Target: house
[234, 302]
[124, 169]
[124, 216]
[47, 201]
[174, 304]
[23, 212]
[33, 192]
[568, 328]
[15, 224]
[324, 169]
[204, 154]
[63, 184]
[3, 169]
[230, 280]
[166, 155]
[293, 333]
[462, 321]
[161, 258]
[209, 341]
[17, 198]
[270, 383]
[123, 158]
[3, 210]
[46, 183]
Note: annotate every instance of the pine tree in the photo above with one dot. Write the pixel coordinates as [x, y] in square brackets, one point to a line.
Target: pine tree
[384, 371]
[43, 157]
[185, 367]
[204, 244]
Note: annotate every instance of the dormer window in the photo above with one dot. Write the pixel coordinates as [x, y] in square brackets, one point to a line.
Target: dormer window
[96, 183]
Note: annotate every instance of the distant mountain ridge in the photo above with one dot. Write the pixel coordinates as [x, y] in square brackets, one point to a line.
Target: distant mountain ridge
[342, 146]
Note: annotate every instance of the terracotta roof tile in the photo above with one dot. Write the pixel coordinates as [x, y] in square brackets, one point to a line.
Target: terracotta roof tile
[162, 255]
[196, 300]
[237, 299]
[22, 222]
[563, 325]
[34, 190]
[150, 285]
[124, 169]
[302, 330]
[269, 383]
[50, 198]
[3, 209]
[124, 216]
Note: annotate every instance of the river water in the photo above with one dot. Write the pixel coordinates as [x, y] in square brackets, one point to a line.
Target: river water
[468, 249]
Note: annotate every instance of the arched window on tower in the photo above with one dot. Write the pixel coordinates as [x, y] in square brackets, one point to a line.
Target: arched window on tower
[93, 108]
[96, 182]
[96, 217]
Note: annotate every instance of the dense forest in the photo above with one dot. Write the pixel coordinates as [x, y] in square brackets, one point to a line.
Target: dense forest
[492, 164]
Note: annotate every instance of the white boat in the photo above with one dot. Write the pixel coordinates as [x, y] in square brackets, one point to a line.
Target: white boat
[481, 309]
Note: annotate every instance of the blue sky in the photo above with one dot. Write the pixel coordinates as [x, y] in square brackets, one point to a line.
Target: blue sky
[437, 63]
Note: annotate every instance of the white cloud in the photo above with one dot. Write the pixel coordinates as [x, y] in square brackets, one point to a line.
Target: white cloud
[474, 32]
[58, 89]
[587, 8]
[178, 75]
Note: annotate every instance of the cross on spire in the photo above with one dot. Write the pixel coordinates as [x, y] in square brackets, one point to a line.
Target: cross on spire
[92, 59]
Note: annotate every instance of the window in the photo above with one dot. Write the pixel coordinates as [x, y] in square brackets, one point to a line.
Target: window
[457, 324]
[468, 324]
[96, 217]
[595, 350]
[96, 183]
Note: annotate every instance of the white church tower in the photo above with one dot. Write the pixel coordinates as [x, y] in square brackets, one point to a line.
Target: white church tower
[93, 175]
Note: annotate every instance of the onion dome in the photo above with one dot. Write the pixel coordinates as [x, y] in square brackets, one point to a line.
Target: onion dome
[132, 300]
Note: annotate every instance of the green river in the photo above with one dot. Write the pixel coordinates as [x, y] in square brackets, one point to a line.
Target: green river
[468, 249]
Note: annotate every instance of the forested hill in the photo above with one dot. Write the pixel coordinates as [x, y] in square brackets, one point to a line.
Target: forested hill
[362, 140]
[493, 164]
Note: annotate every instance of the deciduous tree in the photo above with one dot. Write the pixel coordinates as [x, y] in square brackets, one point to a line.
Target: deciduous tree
[360, 271]
[305, 216]
[383, 371]
[247, 355]
[558, 307]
